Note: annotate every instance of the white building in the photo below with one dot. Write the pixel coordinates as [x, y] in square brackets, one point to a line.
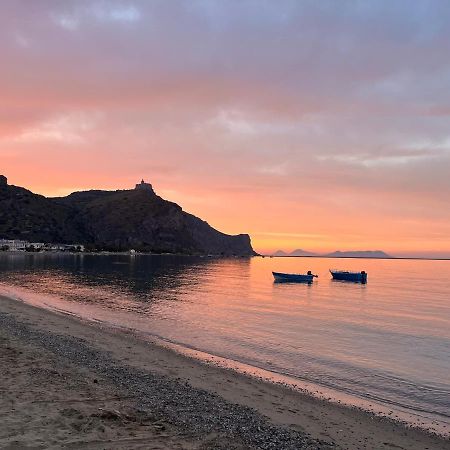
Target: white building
[37, 245]
[64, 247]
[14, 245]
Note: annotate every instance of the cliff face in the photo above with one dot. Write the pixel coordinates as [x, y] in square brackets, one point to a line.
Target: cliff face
[113, 220]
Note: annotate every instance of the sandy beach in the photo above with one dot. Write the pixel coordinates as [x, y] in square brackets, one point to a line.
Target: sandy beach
[66, 383]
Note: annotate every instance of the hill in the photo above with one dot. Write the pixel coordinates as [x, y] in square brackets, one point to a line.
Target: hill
[32, 217]
[297, 252]
[301, 252]
[112, 220]
[337, 254]
[359, 254]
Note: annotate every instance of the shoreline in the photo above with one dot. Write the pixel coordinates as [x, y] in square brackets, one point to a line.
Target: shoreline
[424, 421]
[303, 417]
[201, 255]
[392, 412]
[123, 253]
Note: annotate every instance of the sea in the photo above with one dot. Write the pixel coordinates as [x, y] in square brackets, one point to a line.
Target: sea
[383, 346]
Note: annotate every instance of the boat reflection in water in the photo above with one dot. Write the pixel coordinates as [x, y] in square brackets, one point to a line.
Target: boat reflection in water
[345, 275]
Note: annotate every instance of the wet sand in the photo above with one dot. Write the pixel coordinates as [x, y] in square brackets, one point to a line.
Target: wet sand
[66, 383]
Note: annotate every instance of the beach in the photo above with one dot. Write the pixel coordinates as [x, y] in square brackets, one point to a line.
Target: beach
[68, 383]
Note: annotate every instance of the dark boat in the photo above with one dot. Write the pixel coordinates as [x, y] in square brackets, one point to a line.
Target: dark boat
[345, 275]
[293, 277]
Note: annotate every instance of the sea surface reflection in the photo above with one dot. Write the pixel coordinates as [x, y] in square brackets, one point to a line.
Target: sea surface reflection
[386, 341]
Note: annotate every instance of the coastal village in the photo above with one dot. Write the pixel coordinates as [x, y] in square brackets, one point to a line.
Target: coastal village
[16, 245]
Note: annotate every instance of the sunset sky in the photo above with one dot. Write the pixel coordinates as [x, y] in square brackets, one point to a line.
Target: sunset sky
[321, 125]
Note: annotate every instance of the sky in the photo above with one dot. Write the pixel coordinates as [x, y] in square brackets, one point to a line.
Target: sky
[320, 125]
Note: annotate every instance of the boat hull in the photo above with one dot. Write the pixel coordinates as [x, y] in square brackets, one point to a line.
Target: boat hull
[292, 277]
[355, 277]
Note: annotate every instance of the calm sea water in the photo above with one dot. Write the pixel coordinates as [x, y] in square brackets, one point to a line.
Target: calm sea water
[387, 341]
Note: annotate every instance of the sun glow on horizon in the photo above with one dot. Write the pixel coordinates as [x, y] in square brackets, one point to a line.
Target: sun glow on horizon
[269, 242]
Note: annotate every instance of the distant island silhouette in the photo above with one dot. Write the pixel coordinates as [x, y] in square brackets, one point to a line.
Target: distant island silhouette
[297, 252]
[337, 254]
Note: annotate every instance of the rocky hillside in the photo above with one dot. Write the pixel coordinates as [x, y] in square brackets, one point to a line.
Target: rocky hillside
[32, 217]
[112, 220]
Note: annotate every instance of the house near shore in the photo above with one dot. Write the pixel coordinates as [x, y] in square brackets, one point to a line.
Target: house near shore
[37, 245]
[64, 247]
[15, 245]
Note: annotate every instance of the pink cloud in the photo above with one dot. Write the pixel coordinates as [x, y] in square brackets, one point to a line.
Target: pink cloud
[287, 118]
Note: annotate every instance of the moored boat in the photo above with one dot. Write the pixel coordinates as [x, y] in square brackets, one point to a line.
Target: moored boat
[345, 275]
[294, 277]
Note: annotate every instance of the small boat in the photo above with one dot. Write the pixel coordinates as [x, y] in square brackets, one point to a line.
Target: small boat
[293, 277]
[345, 275]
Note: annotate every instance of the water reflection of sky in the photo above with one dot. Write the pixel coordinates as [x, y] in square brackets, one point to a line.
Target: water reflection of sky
[388, 339]
[118, 281]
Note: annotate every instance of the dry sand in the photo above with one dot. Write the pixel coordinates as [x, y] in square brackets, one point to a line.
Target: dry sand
[65, 383]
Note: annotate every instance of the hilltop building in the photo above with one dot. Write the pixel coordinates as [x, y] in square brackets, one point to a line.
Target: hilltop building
[3, 180]
[143, 186]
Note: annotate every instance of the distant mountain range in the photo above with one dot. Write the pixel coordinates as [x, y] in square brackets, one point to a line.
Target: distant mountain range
[298, 252]
[359, 254]
[338, 254]
[112, 220]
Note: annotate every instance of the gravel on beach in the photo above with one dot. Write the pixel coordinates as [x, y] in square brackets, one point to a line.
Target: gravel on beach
[195, 411]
